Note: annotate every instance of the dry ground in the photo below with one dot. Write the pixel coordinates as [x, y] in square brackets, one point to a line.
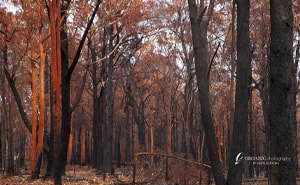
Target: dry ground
[88, 176]
[81, 176]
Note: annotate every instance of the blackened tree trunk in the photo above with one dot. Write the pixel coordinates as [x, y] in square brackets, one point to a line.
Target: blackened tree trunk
[188, 94]
[117, 146]
[10, 145]
[2, 112]
[128, 155]
[243, 79]
[110, 105]
[8, 127]
[137, 115]
[251, 134]
[99, 101]
[103, 117]
[66, 74]
[282, 107]
[199, 24]
[50, 164]
[297, 64]
[96, 111]
[65, 93]
[187, 128]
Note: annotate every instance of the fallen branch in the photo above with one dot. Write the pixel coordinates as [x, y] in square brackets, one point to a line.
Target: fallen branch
[136, 155]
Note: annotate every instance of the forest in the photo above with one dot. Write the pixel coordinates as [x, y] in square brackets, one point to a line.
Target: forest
[170, 92]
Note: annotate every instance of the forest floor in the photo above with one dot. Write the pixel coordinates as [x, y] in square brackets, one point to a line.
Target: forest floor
[76, 175]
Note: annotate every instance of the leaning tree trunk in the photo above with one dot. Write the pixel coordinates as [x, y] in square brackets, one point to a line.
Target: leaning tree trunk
[199, 25]
[282, 108]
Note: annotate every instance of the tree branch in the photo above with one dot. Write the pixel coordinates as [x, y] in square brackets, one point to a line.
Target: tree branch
[80, 92]
[212, 59]
[84, 36]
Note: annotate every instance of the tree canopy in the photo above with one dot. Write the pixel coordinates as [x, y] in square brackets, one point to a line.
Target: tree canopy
[183, 86]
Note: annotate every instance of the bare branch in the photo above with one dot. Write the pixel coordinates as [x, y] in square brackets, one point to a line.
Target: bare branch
[84, 36]
[212, 59]
[77, 101]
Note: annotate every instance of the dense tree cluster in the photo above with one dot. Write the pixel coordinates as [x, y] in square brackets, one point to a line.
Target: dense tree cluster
[101, 83]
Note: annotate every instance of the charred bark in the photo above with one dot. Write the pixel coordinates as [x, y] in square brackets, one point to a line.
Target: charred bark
[199, 25]
[282, 107]
[243, 79]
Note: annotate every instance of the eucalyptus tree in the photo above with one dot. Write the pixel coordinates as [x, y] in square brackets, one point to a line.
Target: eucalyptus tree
[282, 106]
[243, 82]
[200, 17]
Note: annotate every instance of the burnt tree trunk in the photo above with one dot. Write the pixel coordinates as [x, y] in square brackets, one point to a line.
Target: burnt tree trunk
[97, 123]
[65, 93]
[67, 72]
[282, 107]
[243, 79]
[56, 85]
[199, 24]
[110, 103]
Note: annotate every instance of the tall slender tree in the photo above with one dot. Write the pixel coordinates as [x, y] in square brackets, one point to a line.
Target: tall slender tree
[243, 79]
[34, 117]
[42, 51]
[55, 29]
[61, 80]
[282, 107]
[200, 18]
